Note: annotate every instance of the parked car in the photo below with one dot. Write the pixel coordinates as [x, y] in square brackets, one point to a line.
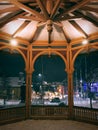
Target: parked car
[55, 101]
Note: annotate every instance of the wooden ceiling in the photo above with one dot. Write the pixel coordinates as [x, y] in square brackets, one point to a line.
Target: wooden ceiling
[48, 22]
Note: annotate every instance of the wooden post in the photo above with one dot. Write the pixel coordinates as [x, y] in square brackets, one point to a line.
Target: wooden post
[28, 82]
[70, 94]
[70, 82]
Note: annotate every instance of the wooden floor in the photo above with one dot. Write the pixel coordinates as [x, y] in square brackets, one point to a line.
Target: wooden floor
[48, 125]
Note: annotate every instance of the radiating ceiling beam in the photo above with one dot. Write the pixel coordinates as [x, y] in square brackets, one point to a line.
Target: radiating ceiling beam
[87, 18]
[9, 10]
[75, 7]
[92, 16]
[21, 27]
[33, 4]
[34, 33]
[6, 36]
[55, 9]
[60, 25]
[66, 36]
[49, 6]
[27, 9]
[87, 8]
[29, 18]
[9, 17]
[41, 24]
[43, 9]
[93, 2]
[67, 18]
[79, 28]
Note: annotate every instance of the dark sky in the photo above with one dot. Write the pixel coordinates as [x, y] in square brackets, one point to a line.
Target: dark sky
[86, 63]
[11, 64]
[51, 67]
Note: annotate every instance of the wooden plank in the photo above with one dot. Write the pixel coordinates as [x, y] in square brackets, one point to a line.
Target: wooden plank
[27, 9]
[55, 8]
[87, 18]
[75, 7]
[67, 18]
[29, 18]
[21, 27]
[9, 17]
[87, 8]
[10, 9]
[79, 28]
[43, 8]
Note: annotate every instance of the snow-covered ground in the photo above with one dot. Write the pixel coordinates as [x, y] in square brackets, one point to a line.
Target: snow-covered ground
[77, 102]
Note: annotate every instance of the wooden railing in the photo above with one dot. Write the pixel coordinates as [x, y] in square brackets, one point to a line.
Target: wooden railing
[49, 112]
[12, 114]
[86, 114]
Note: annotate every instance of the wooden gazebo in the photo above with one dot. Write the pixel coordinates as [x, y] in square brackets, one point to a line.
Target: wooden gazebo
[49, 27]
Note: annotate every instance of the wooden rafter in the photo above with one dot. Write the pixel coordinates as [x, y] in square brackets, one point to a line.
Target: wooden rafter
[75, 7]
[9, 17]
[5, 3]
[93, 2]
[58, 24]
[91, 20]
[79, 28]
[27, 9]
[64, 32]
[41, 24]
[87, 8]
[31, 40]
[11, 9]
[43, 8]
[66, 36]
[67, 18]
[87, 18]
[29, 18]
[55, 9]
[49, 6]
[94, 17]
[7, 36]
[33, 4]
[21, 27]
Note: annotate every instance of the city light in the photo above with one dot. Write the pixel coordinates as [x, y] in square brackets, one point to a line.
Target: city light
[39, 75]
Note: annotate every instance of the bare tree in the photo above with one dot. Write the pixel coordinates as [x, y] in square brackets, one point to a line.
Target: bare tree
[92, 77]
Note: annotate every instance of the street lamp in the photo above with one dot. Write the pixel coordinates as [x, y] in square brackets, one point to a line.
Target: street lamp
[39, 75]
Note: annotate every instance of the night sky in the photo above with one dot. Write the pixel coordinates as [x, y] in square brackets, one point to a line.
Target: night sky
[52, 68]
[11, 64]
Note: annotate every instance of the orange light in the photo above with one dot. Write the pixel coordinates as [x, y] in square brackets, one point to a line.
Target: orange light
[85, 41]
[13, 42]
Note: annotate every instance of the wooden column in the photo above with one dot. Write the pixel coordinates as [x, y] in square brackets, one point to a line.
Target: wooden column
[28, 82]
[70, 82]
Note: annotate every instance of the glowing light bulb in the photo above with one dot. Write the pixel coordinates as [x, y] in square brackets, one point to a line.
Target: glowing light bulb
[13, 42]
[85, 41]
